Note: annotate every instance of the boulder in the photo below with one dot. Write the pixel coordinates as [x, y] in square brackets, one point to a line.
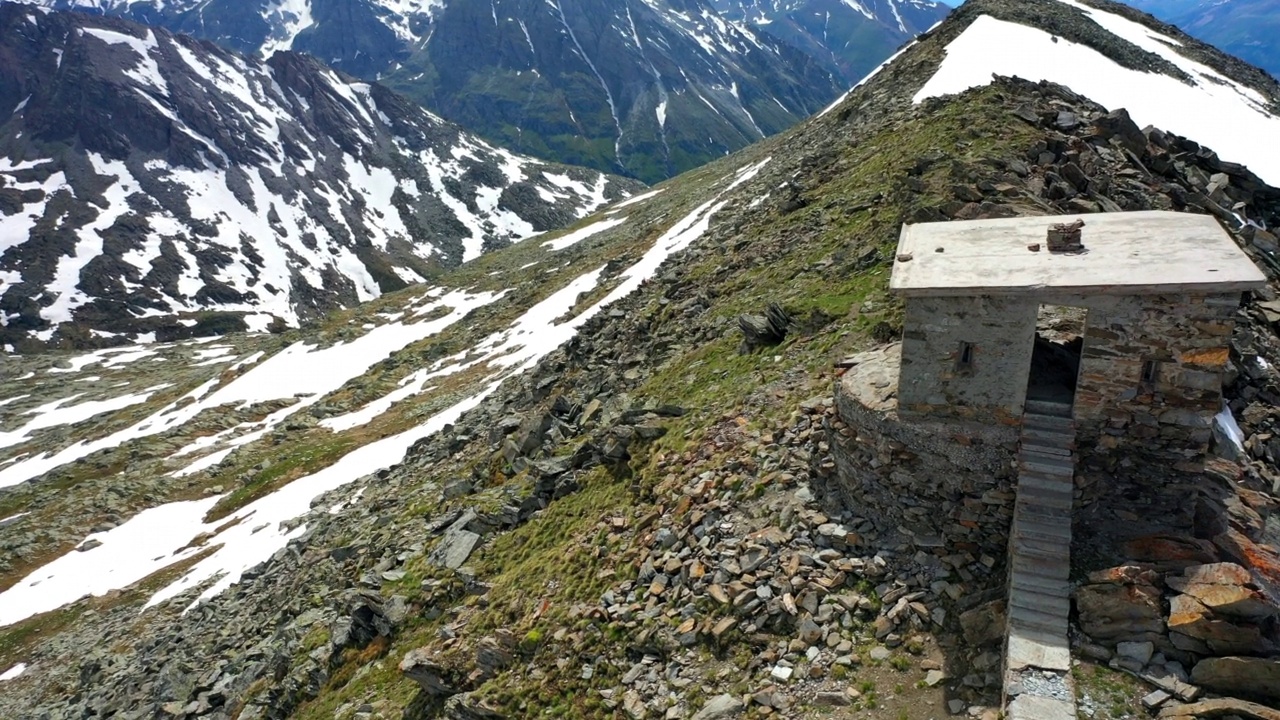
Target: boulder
[1119, 126]
[1260, 558]
[532, 432]
[1225, 589]
[1189, 617]
[1245, 676]
[370, 616]
[983, 625]
[1220, 708]
[1139, 652]
[454, 549]
[1121, 604]
[809, 632]
[1170, 552]
[420, 666]
[720, 707]
[465, 707]
[764, 330]
[494, 654]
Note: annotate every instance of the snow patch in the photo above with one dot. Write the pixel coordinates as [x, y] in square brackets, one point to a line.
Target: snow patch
[1215, 112]
[637, 199]
[53, 414]
[581, 234]
[161, 536]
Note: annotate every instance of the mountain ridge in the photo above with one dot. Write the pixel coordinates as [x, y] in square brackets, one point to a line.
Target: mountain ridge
[196, 183]
[647, 89]
[1245, 28]
[848, 37]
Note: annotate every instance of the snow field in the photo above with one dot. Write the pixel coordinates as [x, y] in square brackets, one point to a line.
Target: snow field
[260, 529]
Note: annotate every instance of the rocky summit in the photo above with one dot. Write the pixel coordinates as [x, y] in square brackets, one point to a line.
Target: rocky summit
[612, 471]
[155, 186]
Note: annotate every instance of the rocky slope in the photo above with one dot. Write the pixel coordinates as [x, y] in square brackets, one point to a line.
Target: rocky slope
[154, 184]
[569, 484]
[647, 88]
[848, 37]
[1248, 29]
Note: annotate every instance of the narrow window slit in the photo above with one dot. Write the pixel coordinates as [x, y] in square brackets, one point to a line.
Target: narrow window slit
[964, 358]
[1150, 372]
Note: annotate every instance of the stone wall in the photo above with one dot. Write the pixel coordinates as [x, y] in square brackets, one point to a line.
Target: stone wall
[1188, 336]
[1001, 331]
[942, 484]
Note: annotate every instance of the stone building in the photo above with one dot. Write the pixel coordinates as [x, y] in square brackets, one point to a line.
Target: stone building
[1031, 345]
[1154, 294]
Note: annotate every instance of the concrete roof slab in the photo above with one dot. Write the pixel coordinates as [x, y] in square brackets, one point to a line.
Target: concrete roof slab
[1127, 253]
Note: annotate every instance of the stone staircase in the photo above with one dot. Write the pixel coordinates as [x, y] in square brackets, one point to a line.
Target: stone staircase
[1037, 679]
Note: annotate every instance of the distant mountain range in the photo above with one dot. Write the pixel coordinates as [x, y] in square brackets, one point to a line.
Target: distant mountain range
[646, 88]
[1248, 29]
[152, 183]
[848, 37]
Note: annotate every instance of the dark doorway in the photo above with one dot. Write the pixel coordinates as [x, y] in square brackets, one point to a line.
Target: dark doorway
[1055, 359]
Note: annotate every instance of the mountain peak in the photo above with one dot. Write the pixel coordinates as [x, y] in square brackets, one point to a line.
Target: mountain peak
[149, 178]
[645, 88]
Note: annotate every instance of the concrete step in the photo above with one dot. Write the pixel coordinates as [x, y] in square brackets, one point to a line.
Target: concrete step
[1045, 452]
[1029, 556]
[1049, 422]
[1046, 484]
[1031, 495]
[1039, 565]
[1033, 707]
[1047, 508]
[1034, 547]
[1043, 448]
[1046, 628]
[1033, 633]
[1042, 544]
[1038, 537]
[1048, 609]
[1054, 511]
[1046, 568]
[1051, 437]
[1042, 532]
[1042, 625]
[1046, 603]
[1030, 582]
[1039, 449]
[1046, 464]
[1046, 407]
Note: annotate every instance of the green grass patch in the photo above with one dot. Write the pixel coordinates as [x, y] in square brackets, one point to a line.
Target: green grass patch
[293, 462]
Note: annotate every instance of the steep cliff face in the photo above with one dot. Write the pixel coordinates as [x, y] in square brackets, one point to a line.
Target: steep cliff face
[145, 176]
